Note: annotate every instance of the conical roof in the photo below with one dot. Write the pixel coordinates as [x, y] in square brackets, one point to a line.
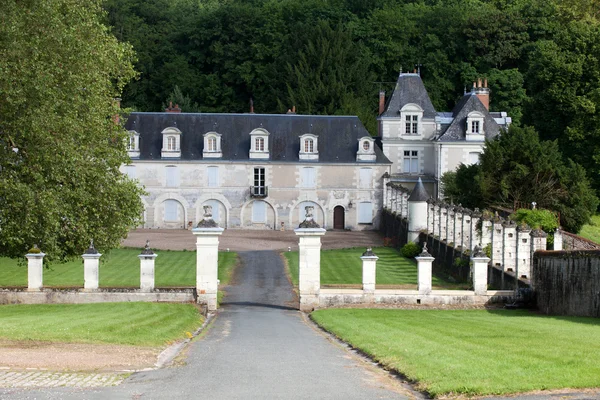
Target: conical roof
[419, 193]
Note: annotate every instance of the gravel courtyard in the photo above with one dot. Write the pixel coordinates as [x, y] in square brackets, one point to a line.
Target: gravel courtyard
[249, 240]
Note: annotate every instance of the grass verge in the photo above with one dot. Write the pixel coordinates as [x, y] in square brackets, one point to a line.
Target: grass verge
[344, 267]
[139, 324]
[474, 352]
[591, 231]
[120, 268]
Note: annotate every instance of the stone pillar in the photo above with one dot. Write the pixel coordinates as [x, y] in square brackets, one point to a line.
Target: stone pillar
[404, 207]
[91, 268]
[498, 242]
[309, 265]
[480, 271]
[207, 234]
[509, 246]
[424, 265]
[386, 190]
[450, 223]
[147, 258]
[558, 240]
[369, 268]
[524, 251]
[430, 216]
[538, 242]
[417, 211]
[35, 268]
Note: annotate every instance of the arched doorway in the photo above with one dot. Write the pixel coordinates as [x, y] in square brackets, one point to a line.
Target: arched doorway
[339, 220]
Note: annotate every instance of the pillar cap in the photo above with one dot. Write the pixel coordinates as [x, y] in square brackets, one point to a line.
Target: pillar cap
[147, 250]
[91, 249]
[35, 255]
[309, 231]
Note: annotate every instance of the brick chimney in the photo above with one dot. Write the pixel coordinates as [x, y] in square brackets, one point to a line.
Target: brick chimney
[381, 102]
[172, 109]
[117, 117]
[482, 92]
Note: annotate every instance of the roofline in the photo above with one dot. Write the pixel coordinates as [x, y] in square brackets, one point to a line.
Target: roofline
[244, 114]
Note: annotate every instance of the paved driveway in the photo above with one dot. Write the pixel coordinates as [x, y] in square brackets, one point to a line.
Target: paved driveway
[259, 347]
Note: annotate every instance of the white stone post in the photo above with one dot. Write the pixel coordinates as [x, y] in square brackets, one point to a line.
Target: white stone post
[147, 258]
[558, 240]
[424, 266]
[369, 268]
[91, 268]
[309, 265]
[498, 242]
[524, 251]
[207, 235]
[509, 246]
[480, 271]
[417, 211]
[35, 268]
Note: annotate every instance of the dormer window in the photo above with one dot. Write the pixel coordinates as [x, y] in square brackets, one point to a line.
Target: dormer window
[411, 115]
[366, 149]
[309, 149]
[212, 145]
[259, 144]
[133, 144]
[474, 127]
[171, 143]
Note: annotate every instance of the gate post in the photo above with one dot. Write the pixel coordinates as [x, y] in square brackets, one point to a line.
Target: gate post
[207, 256]
[309, 265]
[480, 271]
[369, 269]
[147, 258]
[91, 266]
[35, 267]
[424, 265]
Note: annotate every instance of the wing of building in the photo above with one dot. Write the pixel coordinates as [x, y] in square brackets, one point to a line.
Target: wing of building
[256, 171]
[424, 143]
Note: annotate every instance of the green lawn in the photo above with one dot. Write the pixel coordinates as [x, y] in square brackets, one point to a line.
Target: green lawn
[591, 231]
[120, 268]
[344, 267]
[141, 324]
[475, 352]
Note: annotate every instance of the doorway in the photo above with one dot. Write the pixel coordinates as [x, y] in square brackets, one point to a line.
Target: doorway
[339, 218]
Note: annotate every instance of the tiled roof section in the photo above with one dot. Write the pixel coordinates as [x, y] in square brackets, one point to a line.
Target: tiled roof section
[457, 130]
[419, 193]
[338, 135]
[409, 89]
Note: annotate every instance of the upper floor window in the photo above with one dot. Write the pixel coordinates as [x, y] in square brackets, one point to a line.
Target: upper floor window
[365, 178]
[212, 145]
[475, 129]
[171, 143]
[309, 149]
[172, 176]
[366, 149]
[213, 176]
[259, 144]
[411, 161]
[474, 157]
[308, 177]
[133, 144]
[411, 115]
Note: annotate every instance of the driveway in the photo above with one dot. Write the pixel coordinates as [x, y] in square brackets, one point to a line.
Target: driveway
[258, 347]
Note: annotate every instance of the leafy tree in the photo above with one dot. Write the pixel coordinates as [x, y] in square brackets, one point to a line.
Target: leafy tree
[184, 102]
[454, 184]
[60, 145]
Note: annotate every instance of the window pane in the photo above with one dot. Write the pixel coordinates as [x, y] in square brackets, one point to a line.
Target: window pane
[415, 153]
[407, 165]
[308, 177]
[406, 153]
[213, 176]
[172, 176]
[414, 165]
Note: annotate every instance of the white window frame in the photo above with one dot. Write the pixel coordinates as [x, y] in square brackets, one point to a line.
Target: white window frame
[366, 149]
[168, 213]
[309, 147]
[171, 143]
[412, 159]
[259, 181]
[255, 205]
[212, 145]
[259, 144]
[411, 120]
[475, 119]
[308, 177]
[133, 144]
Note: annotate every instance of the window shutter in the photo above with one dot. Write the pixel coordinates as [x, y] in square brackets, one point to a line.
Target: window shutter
[172, 176]
[366, 178]
[213, 176]
[365, 213]
[171, 210]
[259, 211]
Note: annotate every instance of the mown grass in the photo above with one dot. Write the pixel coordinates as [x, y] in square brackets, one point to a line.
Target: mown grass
[120, 268]
[475, 352]
[344, 267]
[140, 324]
[591, 231]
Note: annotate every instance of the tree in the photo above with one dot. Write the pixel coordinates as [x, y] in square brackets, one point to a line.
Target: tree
[517, 167]
[60, 144]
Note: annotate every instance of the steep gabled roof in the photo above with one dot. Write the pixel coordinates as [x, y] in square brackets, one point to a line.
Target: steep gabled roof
[337, 143]
[409, 89]
[457, 130]
[419, 193]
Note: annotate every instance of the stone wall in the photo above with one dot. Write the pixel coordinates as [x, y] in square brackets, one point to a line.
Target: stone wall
[567, 282]
[575, 242]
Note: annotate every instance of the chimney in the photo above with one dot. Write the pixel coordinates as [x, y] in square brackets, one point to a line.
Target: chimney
[172, 109]
[483, 93]
[381, 102]
[294, 109]
[117, 117]
[251, 106]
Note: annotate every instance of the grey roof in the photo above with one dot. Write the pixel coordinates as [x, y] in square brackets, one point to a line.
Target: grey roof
[457, 130]
[409, 89]
[419, 193]
[337, 135]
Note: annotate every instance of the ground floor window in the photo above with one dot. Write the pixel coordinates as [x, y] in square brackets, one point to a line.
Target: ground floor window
[365, 212]
[171, 210]
[259, 211]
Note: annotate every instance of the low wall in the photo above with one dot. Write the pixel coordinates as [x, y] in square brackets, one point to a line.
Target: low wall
[575, 242]
[80, 296]
[567, 282]
[345, 297]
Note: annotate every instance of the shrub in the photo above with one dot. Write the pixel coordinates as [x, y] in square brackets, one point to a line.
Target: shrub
[410, 250]
[537, 218]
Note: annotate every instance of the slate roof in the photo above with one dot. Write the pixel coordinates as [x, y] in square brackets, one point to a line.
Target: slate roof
[409, 89]
[419, 193]
[337, 135]
[457, 129]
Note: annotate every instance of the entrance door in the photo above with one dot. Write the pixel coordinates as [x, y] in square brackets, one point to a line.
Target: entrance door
[339, 218]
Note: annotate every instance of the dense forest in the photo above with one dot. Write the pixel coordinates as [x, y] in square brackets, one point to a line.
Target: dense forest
[541, 58]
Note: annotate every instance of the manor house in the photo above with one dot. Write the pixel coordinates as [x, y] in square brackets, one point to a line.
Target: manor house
[259, 171]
